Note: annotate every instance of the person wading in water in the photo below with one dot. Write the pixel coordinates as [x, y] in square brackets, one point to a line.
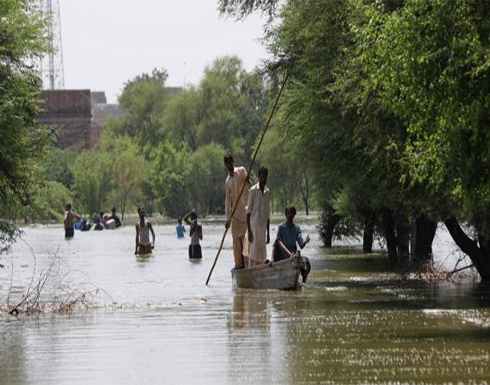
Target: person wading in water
[143, 229]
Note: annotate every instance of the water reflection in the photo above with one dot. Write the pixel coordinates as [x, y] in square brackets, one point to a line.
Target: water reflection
[144, 258]
[250, 311]
[12, 354]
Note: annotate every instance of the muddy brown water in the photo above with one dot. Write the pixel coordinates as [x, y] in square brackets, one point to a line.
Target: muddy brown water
[154, 321]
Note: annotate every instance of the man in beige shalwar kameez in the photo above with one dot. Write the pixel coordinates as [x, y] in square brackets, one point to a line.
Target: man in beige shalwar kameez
[258, 215]
[234, 182]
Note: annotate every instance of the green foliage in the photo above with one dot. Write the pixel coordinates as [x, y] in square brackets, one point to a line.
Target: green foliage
[143, 100]
[219, 105]
[129, 173]
[430, 66]
[58, 166]
[181, 118]
[285, 169]
[93, 177]
[242, 8]
[169, 178]
[22, 143]
[49, 202]
[206, 179]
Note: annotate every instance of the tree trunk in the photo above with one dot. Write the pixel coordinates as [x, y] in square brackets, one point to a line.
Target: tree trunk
[390, 236]
[305, 191]
[329, 221]
[403, 237]
[367, 242]
[425, 231]
[479, 255]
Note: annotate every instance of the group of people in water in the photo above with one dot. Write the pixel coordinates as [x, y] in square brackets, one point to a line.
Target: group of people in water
[72, 221]
[247, 213]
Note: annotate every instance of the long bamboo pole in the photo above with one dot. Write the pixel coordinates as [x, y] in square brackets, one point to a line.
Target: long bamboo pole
[248, 173]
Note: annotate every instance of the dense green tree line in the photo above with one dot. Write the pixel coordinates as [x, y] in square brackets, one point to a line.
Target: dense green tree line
[388, 103]
[166, 152]
[192, 131]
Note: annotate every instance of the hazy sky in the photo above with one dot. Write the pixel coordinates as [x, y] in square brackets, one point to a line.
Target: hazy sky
[107, 42]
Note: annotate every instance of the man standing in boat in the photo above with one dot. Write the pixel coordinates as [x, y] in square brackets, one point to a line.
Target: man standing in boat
[258, 215]
[237, 177]
[143, 229]
[288, 237]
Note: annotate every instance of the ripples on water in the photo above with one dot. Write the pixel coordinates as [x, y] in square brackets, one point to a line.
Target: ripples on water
[156, 322]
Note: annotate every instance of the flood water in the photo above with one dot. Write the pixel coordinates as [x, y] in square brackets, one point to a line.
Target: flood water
[154, 321]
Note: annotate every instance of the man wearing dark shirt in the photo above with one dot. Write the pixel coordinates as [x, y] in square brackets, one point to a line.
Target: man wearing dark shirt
[115, 217]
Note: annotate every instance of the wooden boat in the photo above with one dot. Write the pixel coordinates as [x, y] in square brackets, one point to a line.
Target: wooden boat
[281, 275]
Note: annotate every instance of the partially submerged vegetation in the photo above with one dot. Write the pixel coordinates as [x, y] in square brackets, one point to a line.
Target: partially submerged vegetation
[51, 291]
[388, 106]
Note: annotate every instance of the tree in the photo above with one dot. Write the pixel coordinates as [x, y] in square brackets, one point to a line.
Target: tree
[22, 39]
[430, 66]
[93, 176]
[242, 8]
[219, 105]
[143, 100]
[284, 168]
[169, 177]
[206, 179]
[333, 125]
[58, 166]
[129, 172]
[50, 199]
[182, 117]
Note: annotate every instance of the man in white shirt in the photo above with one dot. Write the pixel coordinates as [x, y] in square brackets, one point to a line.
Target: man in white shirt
[258, 216]
[237, 177]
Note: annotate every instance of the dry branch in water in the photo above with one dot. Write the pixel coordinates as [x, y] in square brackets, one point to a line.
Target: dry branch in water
[65, 300]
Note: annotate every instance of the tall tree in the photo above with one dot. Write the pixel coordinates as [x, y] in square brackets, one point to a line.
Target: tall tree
[219, 106]
[169, 178]
[23, 39]
[143, 100]
[129, 173]
[430, 64]
[206, 179]
[93, 177]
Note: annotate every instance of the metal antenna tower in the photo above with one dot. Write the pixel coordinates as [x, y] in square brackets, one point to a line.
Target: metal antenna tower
[51, 66]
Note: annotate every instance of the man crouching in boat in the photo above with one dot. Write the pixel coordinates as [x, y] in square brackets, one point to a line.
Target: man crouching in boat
[143, 229]
[288, 235]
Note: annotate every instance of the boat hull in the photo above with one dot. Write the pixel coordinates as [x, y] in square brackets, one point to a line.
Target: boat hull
[282, 275]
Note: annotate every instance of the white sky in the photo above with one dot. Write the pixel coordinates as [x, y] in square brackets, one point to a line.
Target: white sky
[107, 42]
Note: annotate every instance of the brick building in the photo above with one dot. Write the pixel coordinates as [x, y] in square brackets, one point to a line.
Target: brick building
[69, 113]
[78, 116]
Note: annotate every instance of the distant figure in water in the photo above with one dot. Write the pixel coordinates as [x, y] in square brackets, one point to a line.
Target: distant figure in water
[143, 229]
[196, 234]
[69, 221]
[98, 224]
[114, 217]
[84, 225]
[180, 228]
